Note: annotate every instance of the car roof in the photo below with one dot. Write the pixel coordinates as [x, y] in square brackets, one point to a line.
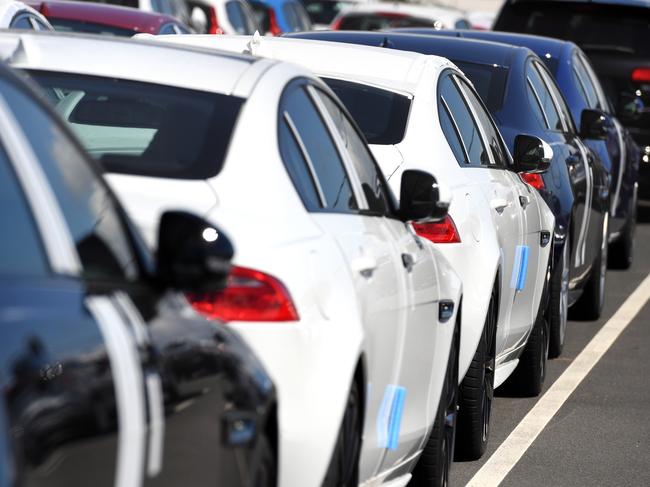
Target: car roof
[100, 13]
[622, 3]
[389, 68]
[212, 71]
[468, 50]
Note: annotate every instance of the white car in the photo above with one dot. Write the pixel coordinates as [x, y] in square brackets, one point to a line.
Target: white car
[17, 15]
[354, 320]
[380, 15]
[413, 109]
[222, 17]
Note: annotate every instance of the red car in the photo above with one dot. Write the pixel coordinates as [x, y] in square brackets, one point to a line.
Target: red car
[98, 18]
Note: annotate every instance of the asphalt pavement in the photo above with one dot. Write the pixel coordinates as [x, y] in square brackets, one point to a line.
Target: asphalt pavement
[601, 434]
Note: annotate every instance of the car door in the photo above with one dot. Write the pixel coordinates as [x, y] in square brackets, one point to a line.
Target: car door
[338, 207]
[421, 346]
[494, 186]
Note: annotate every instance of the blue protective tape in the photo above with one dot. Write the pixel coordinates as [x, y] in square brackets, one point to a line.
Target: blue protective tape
[523, 270]
[516, 268]
[396, 418]
[389, 417]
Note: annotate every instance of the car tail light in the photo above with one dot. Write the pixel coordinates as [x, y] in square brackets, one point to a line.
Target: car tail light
[336, 25]
[274, 28]
[444, 231]
[249, 295]
[535, 180]
[641, 75]
[214, 23]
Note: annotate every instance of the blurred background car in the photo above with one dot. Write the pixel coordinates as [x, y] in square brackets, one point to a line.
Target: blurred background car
[276, 17]
[104, 19]
[92, 379]
[614, 34]
[223, 17]
[322, 12]
[18, 15]
[175, 8]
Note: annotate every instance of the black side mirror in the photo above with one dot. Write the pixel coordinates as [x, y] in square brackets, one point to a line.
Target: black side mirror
[193, 255]
[593, 124]
[531, 155]
[420, 197]
[629, 106]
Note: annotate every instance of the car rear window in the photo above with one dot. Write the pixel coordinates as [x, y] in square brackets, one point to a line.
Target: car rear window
[324, 11]
[66, 25]
[381, 21]
[489, 80]
[144, 128]
[593, 26]
[381, 114]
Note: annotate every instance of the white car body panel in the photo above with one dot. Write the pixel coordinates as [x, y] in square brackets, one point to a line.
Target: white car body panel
[492, 241]
[345, 317]
[9, 9]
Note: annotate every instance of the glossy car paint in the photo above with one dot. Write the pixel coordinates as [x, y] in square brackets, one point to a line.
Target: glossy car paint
[349, 325]
[576, 185]
[490, 237]
[111, 383]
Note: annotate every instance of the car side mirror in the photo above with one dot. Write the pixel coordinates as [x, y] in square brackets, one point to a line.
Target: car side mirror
[532, 154]
[420, 197]
[193, 255]
[593, 124]
[629, 106]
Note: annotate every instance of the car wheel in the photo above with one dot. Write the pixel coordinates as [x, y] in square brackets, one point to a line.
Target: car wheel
[343, 470]
[528, 378]
[265, 474]
[621, 252]
[590, 304]
[558, 311]
[477, 392]
[432, 469]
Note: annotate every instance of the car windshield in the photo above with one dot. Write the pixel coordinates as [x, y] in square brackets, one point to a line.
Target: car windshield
[593, 26]
[67, 25]
[381, 114]
[145, 128]
[489, 80]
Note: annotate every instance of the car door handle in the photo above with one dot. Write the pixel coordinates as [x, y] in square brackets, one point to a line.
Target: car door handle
[408, 261]
[364, 265]
[524, 201]
[499, 204]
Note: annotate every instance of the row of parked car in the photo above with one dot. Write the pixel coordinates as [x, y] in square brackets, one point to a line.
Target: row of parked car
[304, 261]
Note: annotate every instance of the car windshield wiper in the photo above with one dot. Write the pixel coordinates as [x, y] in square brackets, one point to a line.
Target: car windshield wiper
[607, 47]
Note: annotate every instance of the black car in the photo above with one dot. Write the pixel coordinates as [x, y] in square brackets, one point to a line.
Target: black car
[614, 34]
[108, 376]
[582, 90]
[522, 97]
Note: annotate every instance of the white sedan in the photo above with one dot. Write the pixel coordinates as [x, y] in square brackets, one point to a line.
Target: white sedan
[355, 322]
[421, 112]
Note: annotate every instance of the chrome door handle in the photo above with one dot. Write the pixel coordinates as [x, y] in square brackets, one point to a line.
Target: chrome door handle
[499, 204]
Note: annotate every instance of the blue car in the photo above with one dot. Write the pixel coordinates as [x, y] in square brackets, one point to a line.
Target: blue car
[522, 96]
[582, 90]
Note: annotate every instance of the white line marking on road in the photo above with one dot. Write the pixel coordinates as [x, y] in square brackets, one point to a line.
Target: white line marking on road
[513, 448]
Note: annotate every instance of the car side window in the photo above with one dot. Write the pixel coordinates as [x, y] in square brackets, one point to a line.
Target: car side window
[236, 17]
[320, 151]
[21, 249]
[167, 29]
[90, 211]
[542, 97]
[585, 66]
[558, 98]
[492, 135]
[370, 176]
[587, 91]
[456, 118]
[21, 21]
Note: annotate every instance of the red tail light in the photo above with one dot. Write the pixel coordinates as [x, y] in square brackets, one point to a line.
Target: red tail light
[250, 295]
[641, 75]
[214, 23]
[274, 28]
[535, 180]
[444, 231]
[336, 25]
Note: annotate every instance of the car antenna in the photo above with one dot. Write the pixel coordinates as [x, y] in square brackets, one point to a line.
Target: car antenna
[387, 43]
[254, 43]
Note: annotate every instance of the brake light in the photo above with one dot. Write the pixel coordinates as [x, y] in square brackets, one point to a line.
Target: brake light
[641, 75]
[249, 295]
[274, 28]
[444, 231]
[336, 25]
[535, 180]
[214, 23]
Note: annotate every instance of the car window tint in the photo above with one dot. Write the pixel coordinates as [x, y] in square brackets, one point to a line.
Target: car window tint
[603, 102]
[370, 177]
[21, 21]
[320, 151]
[586, 83]
[493, 137]
[291, 17]
[88, 208]
[21, 250]
[450, 130]
[296, 164]
[542, 96]
[303, 16]
[565, 113]
[238, 19]
[474, 150]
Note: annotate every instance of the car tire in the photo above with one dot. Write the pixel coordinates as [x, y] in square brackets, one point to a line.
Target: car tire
[477, 391]
[265, 474]
[528, 378]
[621, 252]
[558, 307]
[343, 470]
[432, 469]
[590, 304]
